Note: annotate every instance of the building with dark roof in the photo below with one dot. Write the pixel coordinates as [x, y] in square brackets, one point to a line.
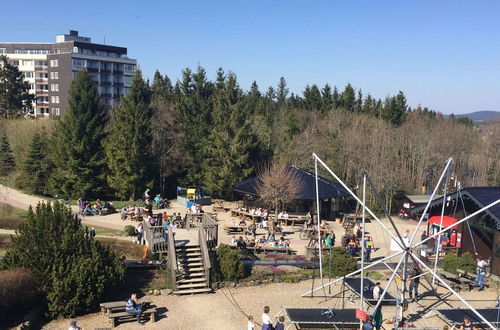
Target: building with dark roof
[334, 197]
[483, 236]
[50, 67]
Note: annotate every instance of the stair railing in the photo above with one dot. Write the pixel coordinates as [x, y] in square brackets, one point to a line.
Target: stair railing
[172, 258]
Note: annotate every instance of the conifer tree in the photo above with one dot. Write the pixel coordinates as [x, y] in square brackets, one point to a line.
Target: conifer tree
[7, 161]
[128, 147]
[15, 99]
[337, 103]
[35, 167]
[232, 144]
[74, 271]
[348, 98]
[76, 146]
[326, 98]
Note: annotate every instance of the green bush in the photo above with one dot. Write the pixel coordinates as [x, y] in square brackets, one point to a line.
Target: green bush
[452, 262]
[129, 230]
[339, 264]
[229, 263]
[74, 271]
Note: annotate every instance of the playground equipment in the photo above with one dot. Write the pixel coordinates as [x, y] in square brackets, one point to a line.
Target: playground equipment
[194, 195]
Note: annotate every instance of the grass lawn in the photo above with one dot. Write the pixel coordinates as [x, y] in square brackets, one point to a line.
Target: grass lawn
[123, 248]
[11, 217]
[107, 231]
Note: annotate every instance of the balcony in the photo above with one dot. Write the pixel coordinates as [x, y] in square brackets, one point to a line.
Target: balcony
[106, 83]
[117, 71]
[106, 94]
[42, 104]
[90, 69]
[41, 80]
[117, 84]
[42, 93]
[40, 68]
[105, 70]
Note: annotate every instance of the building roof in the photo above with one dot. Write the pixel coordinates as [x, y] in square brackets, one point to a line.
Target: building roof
[482, 196]
[419, 199]
[326, 188]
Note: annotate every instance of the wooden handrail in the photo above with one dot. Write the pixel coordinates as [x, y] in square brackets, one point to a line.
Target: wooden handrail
[172, 258]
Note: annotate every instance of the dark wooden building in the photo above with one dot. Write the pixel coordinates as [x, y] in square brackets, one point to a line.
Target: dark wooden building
[482, 232]
[334, 199]
[408, 202]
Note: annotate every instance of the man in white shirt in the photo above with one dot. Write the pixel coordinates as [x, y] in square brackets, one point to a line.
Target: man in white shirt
[376, 291]
[481, 272]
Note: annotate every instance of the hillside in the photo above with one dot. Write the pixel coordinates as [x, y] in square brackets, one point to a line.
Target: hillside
[479, 117]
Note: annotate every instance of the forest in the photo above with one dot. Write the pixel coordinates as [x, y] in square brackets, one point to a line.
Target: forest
[197, 131]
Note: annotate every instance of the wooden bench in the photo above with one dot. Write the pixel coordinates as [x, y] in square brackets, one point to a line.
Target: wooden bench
[115, 318]
[109, 307]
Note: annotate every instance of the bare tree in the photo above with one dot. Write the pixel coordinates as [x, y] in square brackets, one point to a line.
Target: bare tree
[278, 185]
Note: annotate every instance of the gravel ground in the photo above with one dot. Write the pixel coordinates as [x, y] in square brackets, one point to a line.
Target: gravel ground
[215, 311]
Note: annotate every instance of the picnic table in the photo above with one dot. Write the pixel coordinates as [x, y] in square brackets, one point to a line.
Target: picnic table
[293, 219]
[235, 228]
[243, 215]
[218, 205]
[109, 307]
[137, 218]
[287, 250]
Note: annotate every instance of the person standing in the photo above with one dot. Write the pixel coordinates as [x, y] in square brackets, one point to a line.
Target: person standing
[423, 247]
[73, 326]
[139, 230]
[92, 232]
[414, 282]
[481, 272]
[267, 324]
[280, 325]
[368, 246]
[378, 318]
[376, 291]
[368, 325]
[134, 308]
[467, 324]
[250, 324]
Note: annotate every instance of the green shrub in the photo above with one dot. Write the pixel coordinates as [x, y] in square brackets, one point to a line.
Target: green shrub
[452, 262]
[74, 271]
[18, 290]
[129, 230]
[11, 217]
[229, 263]
[340, 262]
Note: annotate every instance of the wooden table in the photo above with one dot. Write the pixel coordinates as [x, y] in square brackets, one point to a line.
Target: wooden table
[243, 215]
[229, 229]
[293, 220]
[268, 249]
[109, 307]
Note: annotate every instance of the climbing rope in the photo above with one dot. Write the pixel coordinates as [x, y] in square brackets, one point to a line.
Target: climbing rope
[235, 304]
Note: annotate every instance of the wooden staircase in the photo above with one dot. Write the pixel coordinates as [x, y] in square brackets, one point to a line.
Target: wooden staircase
[192, 276]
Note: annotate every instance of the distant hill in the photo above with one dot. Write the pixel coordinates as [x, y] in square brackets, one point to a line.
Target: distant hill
[479, 117]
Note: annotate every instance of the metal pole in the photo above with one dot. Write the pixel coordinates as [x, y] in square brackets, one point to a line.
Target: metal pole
[430, 199]
[319, 221]
[457, 223]
[453, 291]
[363, 248]
[355, 272]
[401, 244]
[389, 283]
[441, 224]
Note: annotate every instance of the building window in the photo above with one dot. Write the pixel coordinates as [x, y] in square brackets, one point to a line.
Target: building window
[54, 87]
[27, 62]
[32, 86]
[54, 75]
[54, 63]
[14, 63]
[55, 111]
[54, 99]
[129, 67]
[78, 62]
[3, 51]
[28, 74]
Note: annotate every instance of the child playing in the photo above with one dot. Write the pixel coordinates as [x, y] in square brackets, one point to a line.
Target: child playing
[251, 325]
[266, 319]
[280, 325]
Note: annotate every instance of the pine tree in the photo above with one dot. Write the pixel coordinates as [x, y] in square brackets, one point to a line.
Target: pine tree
[358, 107]
[128, 147]
[15, 99]
[312, 98]
[368, 107]
[35, 167]
[348, 98]
[74, 271]
[76, 146]
[281, 92]
[326, 98]
[232, 144]
[395, 108]
[337, 103]
[7, 162]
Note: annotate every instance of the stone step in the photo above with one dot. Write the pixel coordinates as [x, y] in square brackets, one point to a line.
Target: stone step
[196, 269]
[192, 280]
[188, 286]
[192, 291]
[194, 275]
[190, 259]
[190, 265]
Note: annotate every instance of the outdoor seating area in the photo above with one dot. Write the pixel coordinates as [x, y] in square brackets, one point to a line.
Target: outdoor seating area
[116, 313]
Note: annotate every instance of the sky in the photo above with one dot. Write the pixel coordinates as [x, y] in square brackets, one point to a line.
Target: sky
[442, 54]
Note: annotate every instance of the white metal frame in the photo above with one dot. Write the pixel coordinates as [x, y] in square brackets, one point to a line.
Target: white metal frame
[406, 246]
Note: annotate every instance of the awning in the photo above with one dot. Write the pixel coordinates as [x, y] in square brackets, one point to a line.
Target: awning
[447, 221]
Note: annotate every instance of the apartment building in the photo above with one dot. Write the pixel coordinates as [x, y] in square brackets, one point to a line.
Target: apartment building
[49, 68]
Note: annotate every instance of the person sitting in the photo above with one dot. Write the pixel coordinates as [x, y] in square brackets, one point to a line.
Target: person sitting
[240, 243]
[287, 243]
[157, 199]
[166, 224]
[123, 213]
[351, 247]
[280, 215]
[73, 326]
[151, 220]
[282, 242]
[134, 308]
[251, 231]
[285, 215]
[252, 243]
[242, 222]
[328, 241]
[323, 224]
[262, 240]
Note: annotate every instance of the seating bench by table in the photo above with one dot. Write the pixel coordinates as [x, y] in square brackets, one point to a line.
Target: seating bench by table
[268, 249]
[234, 229]
[109, 307]
[125, 317]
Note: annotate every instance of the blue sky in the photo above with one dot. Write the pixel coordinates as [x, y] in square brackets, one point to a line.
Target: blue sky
[442, 54]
